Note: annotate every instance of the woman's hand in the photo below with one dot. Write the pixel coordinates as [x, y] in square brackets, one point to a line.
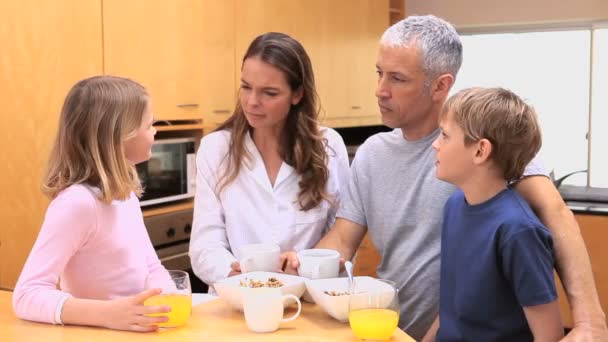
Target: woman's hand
[130, 313]
[236, 269]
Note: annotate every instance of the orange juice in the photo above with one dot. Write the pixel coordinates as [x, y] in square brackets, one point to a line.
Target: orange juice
[181, 307]
[373, 324]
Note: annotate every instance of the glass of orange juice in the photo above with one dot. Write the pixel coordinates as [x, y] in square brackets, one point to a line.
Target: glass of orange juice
[373, 312]
[176, 293]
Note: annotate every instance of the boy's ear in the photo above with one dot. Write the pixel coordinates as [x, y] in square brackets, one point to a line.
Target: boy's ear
[441, 87]
[483, 152]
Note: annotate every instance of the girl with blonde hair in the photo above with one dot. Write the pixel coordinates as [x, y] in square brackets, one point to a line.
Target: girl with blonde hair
[93, 241]
[270, 173]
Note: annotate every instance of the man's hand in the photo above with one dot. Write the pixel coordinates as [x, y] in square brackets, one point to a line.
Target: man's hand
[290, 263]
[584, 332]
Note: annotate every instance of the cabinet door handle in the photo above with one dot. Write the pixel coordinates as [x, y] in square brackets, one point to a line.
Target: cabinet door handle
[184, 105]
[355, 107]
[221, 111]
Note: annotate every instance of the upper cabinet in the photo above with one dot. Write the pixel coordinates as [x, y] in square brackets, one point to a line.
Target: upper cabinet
[346, 67]
[158, 43]
[218, 87]
[182, 51]
[256, 17]
[341, 38]
[47, 46]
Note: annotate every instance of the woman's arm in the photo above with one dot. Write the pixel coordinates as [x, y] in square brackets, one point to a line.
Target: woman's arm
[573, 265]
[209, 248]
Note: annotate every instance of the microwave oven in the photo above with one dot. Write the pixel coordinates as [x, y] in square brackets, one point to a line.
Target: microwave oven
[170, 173]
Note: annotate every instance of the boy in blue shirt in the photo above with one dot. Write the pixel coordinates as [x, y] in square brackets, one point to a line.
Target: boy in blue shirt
[496, 256]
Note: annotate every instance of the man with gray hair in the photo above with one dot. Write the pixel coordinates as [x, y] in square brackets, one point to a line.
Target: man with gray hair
[394, 194]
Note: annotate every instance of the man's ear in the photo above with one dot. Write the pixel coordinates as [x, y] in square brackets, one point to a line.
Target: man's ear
[441, 87]
[483, 151]
[297, 96]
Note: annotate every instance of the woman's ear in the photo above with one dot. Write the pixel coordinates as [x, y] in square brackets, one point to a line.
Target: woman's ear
[297, 96]
[483, 152]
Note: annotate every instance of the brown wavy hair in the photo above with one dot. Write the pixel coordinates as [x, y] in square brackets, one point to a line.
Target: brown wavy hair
[502, 117]
[98, 115]
[302, 144]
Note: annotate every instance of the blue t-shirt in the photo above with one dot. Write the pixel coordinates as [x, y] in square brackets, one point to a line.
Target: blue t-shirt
[496, 258]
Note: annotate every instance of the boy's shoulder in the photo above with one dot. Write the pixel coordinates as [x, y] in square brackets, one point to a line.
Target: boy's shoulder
[518, 217]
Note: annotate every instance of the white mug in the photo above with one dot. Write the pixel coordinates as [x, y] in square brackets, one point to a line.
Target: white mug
[260, 257]
[319, 263]
[263, 308]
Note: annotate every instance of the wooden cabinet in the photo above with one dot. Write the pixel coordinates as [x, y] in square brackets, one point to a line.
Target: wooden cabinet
[341, 38]
[182, 51]
[219, 62]
[158, 43]
[47, 46]
[396, 10]
[594, 229]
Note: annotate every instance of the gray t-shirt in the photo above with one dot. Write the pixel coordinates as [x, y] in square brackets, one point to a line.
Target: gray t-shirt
[394, 192]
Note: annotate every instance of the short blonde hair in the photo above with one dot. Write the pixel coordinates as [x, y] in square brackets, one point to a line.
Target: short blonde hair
[507, 121]
[98, 115]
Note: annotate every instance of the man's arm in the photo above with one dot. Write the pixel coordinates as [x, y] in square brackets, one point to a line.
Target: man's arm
[573, 265]
[345, 236]
[431, 334]
[545, 322]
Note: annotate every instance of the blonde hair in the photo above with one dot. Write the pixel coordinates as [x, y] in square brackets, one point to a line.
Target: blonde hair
[302, 144]
[503, 118]
[98, 115]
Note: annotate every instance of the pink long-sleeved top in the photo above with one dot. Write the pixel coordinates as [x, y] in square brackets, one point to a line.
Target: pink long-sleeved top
[95, 250]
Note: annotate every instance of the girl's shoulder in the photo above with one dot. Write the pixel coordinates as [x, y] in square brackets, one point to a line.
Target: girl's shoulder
[78, 198]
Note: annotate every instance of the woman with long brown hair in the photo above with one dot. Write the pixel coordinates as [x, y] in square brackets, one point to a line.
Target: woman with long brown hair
[270, 173]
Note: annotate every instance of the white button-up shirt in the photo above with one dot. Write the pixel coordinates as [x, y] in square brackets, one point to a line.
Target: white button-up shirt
[251, 210]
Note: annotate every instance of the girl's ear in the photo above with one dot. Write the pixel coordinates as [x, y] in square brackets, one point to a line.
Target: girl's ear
[297, 96]
[483, 151]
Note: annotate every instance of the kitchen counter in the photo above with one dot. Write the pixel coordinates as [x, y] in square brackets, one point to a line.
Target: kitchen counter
[585, 200]
[210, 321]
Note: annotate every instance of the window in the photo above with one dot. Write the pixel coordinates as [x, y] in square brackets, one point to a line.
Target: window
[552, 70]
[599, 119]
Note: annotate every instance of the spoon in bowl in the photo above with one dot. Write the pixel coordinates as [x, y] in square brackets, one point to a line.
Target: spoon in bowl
[349, 271]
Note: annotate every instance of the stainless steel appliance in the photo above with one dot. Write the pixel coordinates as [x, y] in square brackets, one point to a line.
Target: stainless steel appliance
[169, 174]
[170, 236]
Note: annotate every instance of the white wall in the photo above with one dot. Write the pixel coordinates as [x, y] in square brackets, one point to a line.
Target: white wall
[473, 13]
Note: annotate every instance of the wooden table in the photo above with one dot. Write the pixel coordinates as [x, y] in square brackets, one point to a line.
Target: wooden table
[212, 321]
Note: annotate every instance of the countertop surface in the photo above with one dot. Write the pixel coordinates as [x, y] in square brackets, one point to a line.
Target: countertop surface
[585, 200]
[214, 320]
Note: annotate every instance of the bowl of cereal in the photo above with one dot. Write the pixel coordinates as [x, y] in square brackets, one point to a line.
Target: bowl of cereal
[233, 289]
[332, 294]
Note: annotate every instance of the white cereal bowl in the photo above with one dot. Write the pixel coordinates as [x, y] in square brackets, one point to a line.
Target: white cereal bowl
[337, 306]
[231, 290]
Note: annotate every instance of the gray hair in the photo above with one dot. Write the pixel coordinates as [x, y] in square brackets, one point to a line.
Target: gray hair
[437, 40]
